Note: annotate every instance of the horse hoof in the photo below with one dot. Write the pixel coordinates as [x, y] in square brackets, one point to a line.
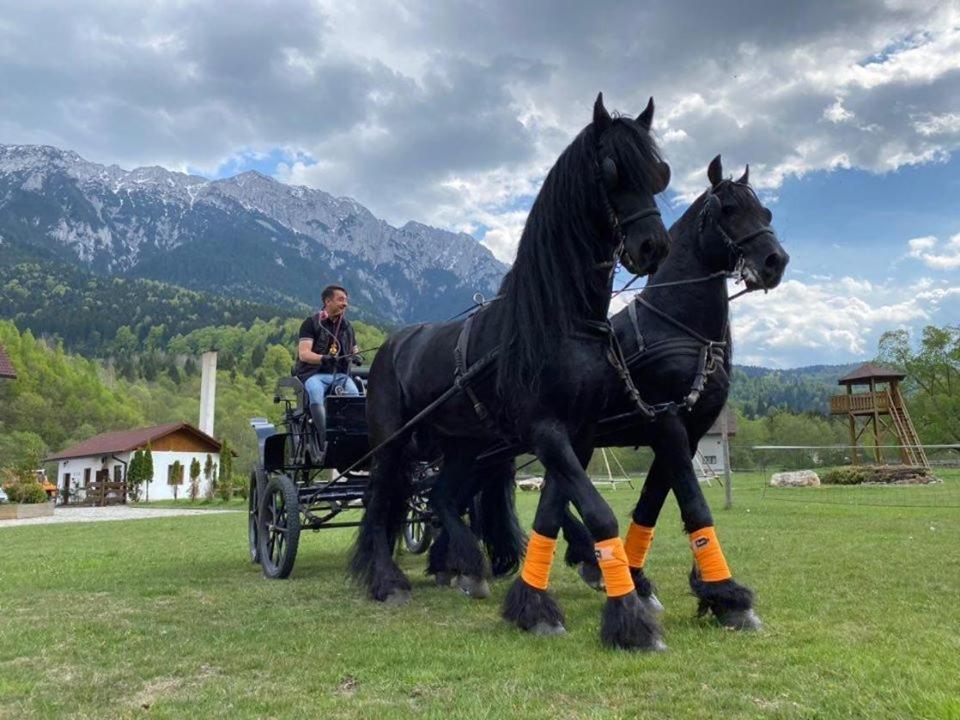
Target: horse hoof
[658, 646]
[398, 598]
[653, 603]
[443, 579]
[545, 629]
[745, 620]
[591, 575]
[477, 588]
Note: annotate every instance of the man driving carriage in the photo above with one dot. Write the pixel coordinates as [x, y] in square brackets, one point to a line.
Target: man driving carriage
[325, 351]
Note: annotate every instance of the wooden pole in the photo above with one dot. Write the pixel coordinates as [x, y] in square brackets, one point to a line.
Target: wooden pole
[725, 443]
[876, 430]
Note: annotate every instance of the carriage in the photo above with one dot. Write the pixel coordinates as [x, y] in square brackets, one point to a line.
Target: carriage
[305, 479]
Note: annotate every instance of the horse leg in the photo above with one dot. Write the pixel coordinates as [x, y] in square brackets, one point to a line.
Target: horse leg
[637, 542]
[528, 604]
[710, 579]
[640, 533]
[372, 562]
[464, 560]
[626, 622]
[497, 520]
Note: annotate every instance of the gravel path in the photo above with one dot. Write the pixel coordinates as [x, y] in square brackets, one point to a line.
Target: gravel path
[104, 514]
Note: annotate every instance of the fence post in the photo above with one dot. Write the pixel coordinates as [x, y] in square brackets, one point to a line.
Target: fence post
[725, 443]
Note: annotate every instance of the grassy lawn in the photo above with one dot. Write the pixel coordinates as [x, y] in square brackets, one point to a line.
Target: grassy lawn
[167, 618]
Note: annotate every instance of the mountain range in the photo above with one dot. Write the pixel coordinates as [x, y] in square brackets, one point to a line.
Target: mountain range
[248, 237]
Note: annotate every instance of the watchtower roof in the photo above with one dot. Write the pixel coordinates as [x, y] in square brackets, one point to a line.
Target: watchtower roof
[867, 372]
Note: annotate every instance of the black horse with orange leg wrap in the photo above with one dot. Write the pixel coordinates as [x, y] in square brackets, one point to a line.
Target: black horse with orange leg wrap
[676, 339]
[546, 344]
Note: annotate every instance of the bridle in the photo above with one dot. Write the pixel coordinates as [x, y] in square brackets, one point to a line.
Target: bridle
[735, 246]
[604, 171]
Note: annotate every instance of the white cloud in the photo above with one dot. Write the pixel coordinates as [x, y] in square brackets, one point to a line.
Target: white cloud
[945, 256]
[829, 321]
[837, 113]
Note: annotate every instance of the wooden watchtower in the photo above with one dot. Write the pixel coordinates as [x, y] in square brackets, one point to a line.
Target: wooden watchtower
[879, 407]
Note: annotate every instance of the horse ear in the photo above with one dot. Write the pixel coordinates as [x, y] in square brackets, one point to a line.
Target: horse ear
[745, 178]
[646, 117]
[601, 118]
[715, 171]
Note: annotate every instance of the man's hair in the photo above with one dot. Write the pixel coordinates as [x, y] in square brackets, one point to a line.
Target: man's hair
[329, 290]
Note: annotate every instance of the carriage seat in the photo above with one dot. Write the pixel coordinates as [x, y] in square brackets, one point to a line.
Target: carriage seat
[345, 413]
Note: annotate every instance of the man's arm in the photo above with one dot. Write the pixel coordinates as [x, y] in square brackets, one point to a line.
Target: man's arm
[306, 353]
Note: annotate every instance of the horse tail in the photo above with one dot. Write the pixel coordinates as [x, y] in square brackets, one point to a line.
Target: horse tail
[499, 527]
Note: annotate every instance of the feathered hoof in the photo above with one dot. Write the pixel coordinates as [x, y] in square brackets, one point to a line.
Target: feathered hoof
[727, 600]
[443, 579]
[652, 602]
[398, 598]
[627, 624]
[646, 590]
[744, 620]
[544, 629]
[392, 590]
[591, 575]
[475, 587]
[532, 610]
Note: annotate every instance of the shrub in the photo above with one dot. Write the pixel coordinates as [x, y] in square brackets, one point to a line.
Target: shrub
[241, 486]
[225, 487]
[28, 493]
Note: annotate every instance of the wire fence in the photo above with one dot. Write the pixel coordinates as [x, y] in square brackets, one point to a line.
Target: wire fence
[840, 481]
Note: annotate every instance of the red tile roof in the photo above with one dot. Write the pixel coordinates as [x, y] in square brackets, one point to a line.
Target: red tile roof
[127, 440]
[6, 369]
[869, 371]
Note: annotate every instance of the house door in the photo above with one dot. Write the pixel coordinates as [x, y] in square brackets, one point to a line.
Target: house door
[66, 489]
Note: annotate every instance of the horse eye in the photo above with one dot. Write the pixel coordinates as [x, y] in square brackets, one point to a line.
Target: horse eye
[768, 215]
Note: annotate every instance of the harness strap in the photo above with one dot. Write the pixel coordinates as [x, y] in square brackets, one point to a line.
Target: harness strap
[462, 376]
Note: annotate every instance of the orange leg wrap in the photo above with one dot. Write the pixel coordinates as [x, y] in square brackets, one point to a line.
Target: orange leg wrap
[709, 556]
[637, 545]
[537, 562]
[612, 559]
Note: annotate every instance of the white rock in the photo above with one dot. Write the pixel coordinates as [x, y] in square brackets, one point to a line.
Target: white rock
[795, 478]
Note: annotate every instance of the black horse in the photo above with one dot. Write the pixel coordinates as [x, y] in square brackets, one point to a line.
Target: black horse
[533, 366]
[676, 338]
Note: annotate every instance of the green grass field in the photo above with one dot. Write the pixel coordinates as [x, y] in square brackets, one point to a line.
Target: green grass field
[167, 618]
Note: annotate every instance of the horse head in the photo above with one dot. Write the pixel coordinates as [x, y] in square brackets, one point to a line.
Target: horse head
[735, 231]
[632, 173]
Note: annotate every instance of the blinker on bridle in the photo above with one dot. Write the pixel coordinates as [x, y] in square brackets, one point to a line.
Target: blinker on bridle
[607, 175]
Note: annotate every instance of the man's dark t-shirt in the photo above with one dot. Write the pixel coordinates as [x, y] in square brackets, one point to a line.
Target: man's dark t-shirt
[326, 334]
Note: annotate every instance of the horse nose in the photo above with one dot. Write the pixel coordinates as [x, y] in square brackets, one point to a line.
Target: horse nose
[776, 261]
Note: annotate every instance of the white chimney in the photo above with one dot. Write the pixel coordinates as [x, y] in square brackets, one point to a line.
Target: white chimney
[208, 391]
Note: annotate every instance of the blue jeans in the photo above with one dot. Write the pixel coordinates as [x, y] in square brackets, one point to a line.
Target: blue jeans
[317, 385]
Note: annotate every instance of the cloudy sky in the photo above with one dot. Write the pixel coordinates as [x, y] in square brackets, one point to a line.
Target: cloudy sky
[451, 112]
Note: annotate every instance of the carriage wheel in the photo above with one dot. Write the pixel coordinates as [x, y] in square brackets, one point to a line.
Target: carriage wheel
[417, 533]
[278, 527]
[253, 507]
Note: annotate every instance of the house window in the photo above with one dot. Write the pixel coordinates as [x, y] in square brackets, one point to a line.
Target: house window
[117, 473]
[710, 459]
[86, 476]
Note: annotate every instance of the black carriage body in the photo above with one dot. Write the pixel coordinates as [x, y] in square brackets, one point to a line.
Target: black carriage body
[297, 483]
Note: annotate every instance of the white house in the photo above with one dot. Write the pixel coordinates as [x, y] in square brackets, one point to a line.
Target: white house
[106, 457]
[710, 447]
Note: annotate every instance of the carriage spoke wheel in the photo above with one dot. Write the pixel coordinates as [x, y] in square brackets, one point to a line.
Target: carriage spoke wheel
[253, 507]
[417, 533]
[278, 527]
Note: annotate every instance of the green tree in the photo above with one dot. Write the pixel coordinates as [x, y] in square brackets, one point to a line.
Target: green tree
[175, 478]
[933, 379]
[225, 483]
[194, 480]
[148, 468]
[135, 475]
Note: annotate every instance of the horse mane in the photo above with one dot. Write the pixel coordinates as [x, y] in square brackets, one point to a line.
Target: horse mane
[553, 281]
